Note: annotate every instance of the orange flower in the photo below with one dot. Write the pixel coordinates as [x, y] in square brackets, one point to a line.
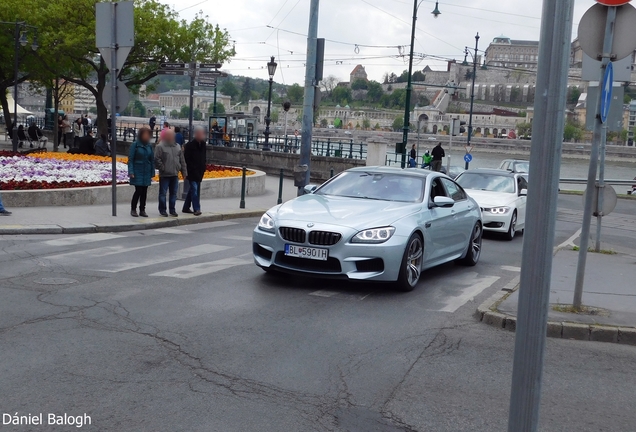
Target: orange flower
[75, 157]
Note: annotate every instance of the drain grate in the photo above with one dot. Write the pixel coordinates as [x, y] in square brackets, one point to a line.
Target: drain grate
[55, 281]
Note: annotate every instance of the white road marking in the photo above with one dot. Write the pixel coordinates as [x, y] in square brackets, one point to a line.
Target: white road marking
[476, 285]
[103, 251]
[339, 295]
[172, 231]
[570, 241]
[165, 255]
[239, 238]
[511, 268]
[86, 238]
[201, 269]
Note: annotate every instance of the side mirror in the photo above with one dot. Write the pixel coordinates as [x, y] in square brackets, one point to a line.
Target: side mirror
[310, 188]
[523, 192]
[444, 202]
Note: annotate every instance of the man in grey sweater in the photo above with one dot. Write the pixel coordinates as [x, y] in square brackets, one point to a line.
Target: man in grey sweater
[170, 162]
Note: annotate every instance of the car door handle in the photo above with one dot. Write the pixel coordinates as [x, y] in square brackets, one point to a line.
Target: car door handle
[427, 224]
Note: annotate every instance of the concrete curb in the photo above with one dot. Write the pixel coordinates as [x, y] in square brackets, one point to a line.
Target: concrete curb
[488, 313]
[139, 224]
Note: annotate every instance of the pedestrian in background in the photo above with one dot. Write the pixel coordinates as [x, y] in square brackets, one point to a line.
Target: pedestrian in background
[178, 136]
[3, 211]
[101, 146]
[77, 131]
[195, 158]
[413, 157]
[67, 130]
[170, 161]
[60, 129]
[438, 154]
[141, 170]
[152, 123]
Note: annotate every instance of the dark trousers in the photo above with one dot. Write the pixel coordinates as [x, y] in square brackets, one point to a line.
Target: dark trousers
[193, 197]
[141, 192]
[436, 165]
[168, 185]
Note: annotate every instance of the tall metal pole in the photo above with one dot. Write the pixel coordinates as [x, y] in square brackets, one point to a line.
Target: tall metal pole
[601, 188]
[268, 118]
[308, 103]
[214, 108]
[193, 73]
[547, 139]
[450, 145]
[113, 108]
[472, 96]
[409, 90]
[16, 63]
[591, 174]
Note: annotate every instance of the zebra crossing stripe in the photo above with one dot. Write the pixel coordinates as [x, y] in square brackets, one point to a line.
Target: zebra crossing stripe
[202, 269]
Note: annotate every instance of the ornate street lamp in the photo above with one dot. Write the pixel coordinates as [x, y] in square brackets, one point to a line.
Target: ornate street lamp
[271, 69]
[409, 87]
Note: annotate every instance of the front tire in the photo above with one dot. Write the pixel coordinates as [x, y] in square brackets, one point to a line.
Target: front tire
[474, 247]
[512, 229]
[411, 267]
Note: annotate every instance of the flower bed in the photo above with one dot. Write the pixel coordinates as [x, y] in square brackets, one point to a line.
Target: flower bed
[64, 170]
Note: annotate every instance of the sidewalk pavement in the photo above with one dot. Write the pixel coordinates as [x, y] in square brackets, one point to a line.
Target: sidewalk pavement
[98, 218]
[609, 294]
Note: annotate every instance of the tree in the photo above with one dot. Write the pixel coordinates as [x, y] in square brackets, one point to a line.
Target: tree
[174, 114]
[324, 123]
[523, 129]
[624, 134]
[197, 114]
[418, 76]
[229, 89]
[404, 77]
[374, 92]
[246, 91]
[220, 109]
[377, 126]
[359, 84]
[366, 123]
[573, 95]
[341, 95]
[274, 116]
[398, 124]
[572, 131]
[159, 37]
[328, 84]
[295, 93]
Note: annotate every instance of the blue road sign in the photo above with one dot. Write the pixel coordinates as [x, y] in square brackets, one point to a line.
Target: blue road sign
[468, 158]
[606, 91]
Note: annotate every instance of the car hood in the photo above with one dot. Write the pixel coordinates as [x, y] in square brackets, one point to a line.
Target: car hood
[491, 199]
[357, 213]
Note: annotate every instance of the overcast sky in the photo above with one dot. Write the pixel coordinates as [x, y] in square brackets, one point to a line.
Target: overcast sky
[381, 25]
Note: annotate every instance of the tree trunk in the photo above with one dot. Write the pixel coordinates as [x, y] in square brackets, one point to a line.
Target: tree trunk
[102, 111]
[8, 118]
[56, 109]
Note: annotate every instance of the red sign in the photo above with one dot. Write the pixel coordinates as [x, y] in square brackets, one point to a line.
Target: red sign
[613, 2]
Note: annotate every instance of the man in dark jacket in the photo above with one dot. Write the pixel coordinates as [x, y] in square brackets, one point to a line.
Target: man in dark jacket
[86, 144]
[195, 153]
[438, 154]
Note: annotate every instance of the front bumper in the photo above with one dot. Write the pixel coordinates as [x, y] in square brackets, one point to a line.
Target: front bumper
[496, 222]
[355, 261]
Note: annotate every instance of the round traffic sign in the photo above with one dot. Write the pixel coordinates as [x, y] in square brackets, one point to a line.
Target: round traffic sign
[610, 199]
[468, 157]
[592, 31]
[613, 2]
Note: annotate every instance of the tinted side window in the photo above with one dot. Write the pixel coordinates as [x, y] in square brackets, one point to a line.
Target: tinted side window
[437, 189]
[523, 184]
[454, 191]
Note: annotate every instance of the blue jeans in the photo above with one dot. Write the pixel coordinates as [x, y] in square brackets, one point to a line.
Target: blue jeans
[193, 197]
[171, 185]
[2, 209]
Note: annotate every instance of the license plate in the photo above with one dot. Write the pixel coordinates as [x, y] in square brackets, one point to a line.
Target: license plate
[307, 252]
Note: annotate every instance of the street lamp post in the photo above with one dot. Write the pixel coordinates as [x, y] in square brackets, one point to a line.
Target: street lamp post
[271, 69]
[20, 39]
[409, 88]
[472, 96]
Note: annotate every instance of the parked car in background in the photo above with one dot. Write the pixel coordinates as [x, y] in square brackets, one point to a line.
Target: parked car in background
[371, 223]
[515, 165]
[501, 196]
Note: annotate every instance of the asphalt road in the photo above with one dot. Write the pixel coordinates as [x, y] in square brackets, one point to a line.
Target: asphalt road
[177, 330]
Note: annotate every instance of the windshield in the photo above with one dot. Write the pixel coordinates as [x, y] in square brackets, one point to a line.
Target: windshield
[522, 167]
[487, 182]
[377, 186]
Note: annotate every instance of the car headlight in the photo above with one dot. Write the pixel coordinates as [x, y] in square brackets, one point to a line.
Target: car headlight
[266, 223]
[374, 235]
[499, 210]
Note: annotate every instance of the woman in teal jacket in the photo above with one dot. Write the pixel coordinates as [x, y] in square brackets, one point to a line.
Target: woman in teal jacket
[141, 170]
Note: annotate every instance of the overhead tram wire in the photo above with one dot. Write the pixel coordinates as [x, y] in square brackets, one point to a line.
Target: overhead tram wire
[283, 20]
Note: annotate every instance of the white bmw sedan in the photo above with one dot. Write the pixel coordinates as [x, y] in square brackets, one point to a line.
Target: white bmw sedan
[501, 195]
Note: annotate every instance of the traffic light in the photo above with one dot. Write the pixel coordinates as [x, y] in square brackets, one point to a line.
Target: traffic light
[458, 127]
